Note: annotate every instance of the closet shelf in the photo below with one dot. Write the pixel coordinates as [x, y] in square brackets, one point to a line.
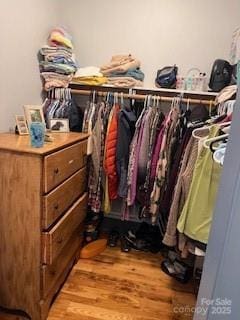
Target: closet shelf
[139, 91]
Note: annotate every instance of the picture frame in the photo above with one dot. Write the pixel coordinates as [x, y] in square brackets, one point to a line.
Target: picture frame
[59, 125]
[21, 124]
[34, 113]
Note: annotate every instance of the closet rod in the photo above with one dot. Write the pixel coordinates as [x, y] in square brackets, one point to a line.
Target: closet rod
[142, 97]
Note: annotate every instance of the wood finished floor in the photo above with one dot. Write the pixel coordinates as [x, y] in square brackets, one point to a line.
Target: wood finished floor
[121, 286]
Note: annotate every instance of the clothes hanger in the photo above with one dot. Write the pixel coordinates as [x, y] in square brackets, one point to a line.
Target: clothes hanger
[223, 139]
[122, 101]
[149, 98]
[195, 131]
[211, 141]
[94, 97]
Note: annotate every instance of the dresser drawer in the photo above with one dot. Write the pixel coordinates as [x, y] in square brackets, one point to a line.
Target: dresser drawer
[61, 198]
[56, 239]
[51, 274]
[62, 164]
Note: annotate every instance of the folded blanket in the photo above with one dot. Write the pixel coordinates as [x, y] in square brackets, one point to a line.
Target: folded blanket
[60, 37]
[55, 80]
[133, 73]
[45, 50]
[62, 60]
[120, 64]
[88, 72]
[57, 67]
[126, 82]
[95, 80]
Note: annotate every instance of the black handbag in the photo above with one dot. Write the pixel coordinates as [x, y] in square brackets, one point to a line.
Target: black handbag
[167, 77]
[221, 75]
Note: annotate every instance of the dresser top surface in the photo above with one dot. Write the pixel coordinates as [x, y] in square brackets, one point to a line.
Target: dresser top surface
[13, 142]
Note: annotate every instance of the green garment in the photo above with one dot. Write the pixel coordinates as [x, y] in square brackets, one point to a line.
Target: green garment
[196, 217]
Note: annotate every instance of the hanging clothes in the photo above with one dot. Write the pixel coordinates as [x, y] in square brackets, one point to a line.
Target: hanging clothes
[97, 158]
[134, 156]
[110, 154]
[162, 164]
[145, 184]
[60, 104]
[181, 190]
[126, 129]
[195, 219]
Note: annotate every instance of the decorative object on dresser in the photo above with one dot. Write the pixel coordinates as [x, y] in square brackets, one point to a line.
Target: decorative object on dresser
[21, 125]
[59, 125]
[34, 114]
[43, 203]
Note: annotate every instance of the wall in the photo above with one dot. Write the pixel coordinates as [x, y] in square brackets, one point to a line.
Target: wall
[189, 33]
[24, 27]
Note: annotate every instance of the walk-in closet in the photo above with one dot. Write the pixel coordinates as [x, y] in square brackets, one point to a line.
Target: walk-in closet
[119, 160]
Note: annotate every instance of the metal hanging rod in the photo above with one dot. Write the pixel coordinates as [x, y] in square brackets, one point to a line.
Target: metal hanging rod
[136, 96]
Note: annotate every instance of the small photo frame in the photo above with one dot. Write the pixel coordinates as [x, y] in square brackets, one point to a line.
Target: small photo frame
[21, 125]
[59, 125]
[33, 114]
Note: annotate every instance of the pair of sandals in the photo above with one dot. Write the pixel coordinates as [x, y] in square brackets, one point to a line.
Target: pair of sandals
[177, 269]
[114, 238]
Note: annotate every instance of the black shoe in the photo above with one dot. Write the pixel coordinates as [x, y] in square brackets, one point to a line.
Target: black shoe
[177, 270]
[125, 246]
[113, 238]
[138, 244]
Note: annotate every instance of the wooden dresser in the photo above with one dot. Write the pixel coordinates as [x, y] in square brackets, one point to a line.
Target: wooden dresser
[43, 203]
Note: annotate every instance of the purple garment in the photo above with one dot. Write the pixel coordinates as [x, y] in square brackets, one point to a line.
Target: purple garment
[133, 187]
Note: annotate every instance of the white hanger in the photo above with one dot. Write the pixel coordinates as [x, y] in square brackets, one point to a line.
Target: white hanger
[94, 96]
[195, 131]
[207, 142]
[122, 100]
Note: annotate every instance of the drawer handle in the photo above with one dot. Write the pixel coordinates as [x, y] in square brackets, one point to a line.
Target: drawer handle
[56, 207]
[59, 241]
[56, 171]
[70, 161]
[53, 272]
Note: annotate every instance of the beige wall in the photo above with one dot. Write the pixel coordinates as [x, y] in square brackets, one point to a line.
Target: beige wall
[24, 27]
[189, 33]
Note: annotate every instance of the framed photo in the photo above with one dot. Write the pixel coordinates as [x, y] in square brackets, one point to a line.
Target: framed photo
[59, 125]
[33, 114]
[21, 125]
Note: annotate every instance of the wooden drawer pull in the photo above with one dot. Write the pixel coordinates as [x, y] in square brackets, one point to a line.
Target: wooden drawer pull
[56, 207]
[53, 272]
[56, 171]
[59, 241]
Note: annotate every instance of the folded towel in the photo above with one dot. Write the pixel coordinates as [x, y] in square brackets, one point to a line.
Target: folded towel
[120, 64]
[54, 80]
[45, 50]
[90, 80]
[125, 82]
[133, 73]
[88, 72]
[57, 67]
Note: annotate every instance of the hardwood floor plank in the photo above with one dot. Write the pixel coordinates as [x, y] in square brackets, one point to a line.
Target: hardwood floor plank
[119, 286]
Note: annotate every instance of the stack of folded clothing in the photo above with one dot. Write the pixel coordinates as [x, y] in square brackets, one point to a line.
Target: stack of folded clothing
[89, 76]
[56, 60]
[123, 71]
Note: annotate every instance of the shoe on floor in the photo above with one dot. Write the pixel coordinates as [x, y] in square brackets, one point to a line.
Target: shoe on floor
[113, 238]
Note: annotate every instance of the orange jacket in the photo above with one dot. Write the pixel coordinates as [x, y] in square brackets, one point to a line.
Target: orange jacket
[110, 155]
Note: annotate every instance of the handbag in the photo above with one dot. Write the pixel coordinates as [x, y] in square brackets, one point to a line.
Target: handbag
[167, 77]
